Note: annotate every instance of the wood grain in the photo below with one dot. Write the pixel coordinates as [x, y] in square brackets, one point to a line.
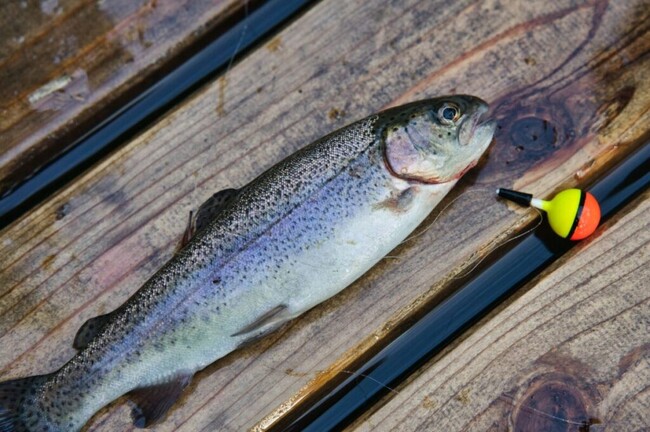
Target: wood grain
[64, 64]
[571, 354]
[566, 109]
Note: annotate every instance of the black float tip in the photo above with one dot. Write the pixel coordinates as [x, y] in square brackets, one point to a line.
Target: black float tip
[515, 196]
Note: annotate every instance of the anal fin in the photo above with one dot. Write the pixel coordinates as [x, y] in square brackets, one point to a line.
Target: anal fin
[89, 330]
[207, 212]
[153, 402]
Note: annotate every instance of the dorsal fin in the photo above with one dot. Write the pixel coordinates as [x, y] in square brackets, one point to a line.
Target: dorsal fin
[89, 330]
[207, 212]
[154, 401]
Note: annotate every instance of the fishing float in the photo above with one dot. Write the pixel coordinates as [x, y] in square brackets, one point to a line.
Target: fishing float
[573, 213]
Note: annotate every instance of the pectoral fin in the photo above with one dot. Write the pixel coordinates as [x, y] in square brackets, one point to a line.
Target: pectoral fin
[207, 212]
[153, 402]
[277, 316]
[89, 330]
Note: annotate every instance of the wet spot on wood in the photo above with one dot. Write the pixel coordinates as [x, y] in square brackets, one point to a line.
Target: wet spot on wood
[530, 61]
[428, 403]
[294, 373]
[463, 396]
[275, 44]
[62, 211]
[335, 114]
[47, 262]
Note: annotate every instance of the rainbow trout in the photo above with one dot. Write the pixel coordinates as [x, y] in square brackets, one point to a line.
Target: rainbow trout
[248, 264]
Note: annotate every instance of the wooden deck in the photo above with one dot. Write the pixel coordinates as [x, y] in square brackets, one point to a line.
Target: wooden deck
[64, 65]
[569, 83]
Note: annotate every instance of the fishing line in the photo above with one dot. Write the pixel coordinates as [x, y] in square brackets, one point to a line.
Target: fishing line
[361, 375]
[241, 39]
[428, 227]
[539, 222]
[444, 209]
[511, 401]
[506, 398]
[231, 61]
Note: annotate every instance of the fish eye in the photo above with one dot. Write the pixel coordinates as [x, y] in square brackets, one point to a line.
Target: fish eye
[449, 113]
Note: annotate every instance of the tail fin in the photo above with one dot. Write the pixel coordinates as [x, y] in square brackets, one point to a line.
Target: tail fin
[17, 413]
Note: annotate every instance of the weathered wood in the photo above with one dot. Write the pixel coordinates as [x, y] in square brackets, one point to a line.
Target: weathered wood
[64, 64]
[572, 354]
[566, 110]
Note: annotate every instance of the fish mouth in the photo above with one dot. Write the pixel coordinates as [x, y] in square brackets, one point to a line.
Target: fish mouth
[473, 132]
[483, 133]
[475, 137]
[468, 128]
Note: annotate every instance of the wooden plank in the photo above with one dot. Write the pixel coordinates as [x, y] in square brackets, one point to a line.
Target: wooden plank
[546, 68]
[573, 353]
[65, 64]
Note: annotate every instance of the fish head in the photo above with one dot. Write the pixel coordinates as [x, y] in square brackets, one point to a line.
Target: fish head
[435, 140]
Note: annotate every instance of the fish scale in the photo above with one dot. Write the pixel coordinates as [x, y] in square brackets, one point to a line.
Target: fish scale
[292, 238]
